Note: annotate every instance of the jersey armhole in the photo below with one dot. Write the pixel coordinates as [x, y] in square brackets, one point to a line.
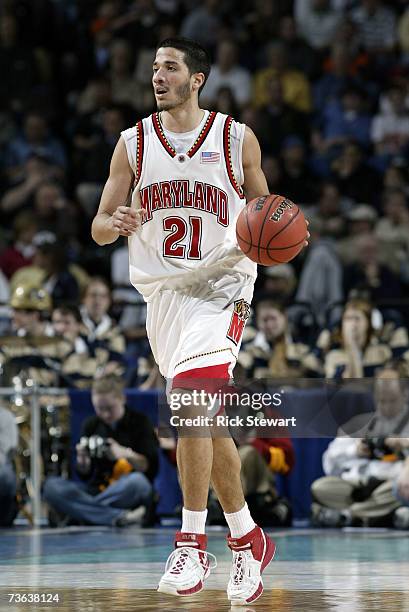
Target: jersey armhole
[140, 144]
[228, 155]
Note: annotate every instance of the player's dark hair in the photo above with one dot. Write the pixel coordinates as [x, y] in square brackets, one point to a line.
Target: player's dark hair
[196, 57]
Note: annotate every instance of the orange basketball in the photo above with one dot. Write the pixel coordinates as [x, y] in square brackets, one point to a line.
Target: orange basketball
[271, 230]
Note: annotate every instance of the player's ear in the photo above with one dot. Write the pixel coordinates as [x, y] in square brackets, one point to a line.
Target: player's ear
[198, 80]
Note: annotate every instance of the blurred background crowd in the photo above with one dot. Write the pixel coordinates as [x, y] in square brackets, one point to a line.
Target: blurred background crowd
[324, 84]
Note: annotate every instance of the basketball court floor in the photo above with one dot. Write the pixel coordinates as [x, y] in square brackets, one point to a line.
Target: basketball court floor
[101, 569]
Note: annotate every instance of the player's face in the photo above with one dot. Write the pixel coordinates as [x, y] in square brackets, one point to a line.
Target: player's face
[172, 83]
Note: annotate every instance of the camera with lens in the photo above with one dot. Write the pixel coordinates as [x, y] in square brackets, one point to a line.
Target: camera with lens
[96, 446]
[378, 448]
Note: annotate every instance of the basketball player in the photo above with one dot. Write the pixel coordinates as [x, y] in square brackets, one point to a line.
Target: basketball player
[190, 171]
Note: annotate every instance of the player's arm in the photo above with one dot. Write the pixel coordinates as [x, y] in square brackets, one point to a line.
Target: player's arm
[113, 218]
[255, 184]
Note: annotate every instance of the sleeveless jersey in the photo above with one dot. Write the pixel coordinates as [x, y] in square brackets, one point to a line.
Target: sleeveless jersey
[191, 199]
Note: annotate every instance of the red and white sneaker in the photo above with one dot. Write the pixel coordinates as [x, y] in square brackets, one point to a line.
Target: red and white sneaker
[251, 555]
[187, 566]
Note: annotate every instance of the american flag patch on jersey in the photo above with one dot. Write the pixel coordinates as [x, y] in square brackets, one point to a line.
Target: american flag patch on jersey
[209, 157]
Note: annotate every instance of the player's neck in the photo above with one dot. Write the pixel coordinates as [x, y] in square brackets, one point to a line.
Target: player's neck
[183, 118]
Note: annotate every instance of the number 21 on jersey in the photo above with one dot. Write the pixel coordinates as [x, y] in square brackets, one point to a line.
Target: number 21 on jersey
[184, 239]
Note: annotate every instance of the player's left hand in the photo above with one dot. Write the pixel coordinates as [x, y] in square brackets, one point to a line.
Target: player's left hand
[126, 220]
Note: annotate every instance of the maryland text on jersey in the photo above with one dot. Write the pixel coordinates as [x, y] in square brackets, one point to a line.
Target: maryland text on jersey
[176, 194]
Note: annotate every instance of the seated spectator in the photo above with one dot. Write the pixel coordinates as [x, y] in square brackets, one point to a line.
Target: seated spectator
[35, 140]
[260, 24]
[227, 73]
[355, 178]
[203, 24]
[117, 460]
[390, 128]
[278, 282]
[278, 120]
[93, 157]
[272, 171]
[31, 306]
[365, 460]
[346, 119]
[355, 351]
[392, 230]
[147, 375]
[396, 176]
[30, 348]
[328, 213]
[361, 220]
[369, 273]
[51, 257]
[296, 88]
[320, 280]
[376, 26]
[125, 88]
[272, 353]
[133, 315]
[300, 55]
[50, 269]
[36, 171]
[317, 22]
[100, 331]
[8, 485]
[340, 72]
[81, 365]
[19, 64]
[21, 252]
[297, 181]
[225, 102]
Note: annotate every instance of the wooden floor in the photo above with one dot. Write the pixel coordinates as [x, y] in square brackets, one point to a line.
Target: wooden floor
[101, 569]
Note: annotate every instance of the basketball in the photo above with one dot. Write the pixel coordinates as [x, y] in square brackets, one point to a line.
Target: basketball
[271, 230]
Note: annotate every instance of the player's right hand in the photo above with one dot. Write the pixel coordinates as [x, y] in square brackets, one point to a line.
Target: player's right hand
[126, 220]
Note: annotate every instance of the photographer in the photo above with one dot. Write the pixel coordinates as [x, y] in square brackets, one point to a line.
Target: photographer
[365, 474]
[117, 458]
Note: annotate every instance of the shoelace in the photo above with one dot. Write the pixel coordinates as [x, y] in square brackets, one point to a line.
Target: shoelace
[239, 567]
[180, 555]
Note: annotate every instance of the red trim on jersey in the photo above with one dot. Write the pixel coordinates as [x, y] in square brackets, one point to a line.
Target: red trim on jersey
[139, 150]
[160, 134]
[209, 378]
[227, 156]
[196, 145]
[203, 134]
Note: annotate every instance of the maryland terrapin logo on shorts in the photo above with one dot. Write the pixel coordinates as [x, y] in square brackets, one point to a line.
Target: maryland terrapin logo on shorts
[239, 317]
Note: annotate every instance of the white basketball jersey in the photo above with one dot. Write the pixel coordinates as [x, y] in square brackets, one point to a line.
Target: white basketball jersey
[192, 200]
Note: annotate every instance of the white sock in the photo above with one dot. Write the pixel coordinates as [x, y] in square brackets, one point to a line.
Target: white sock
[240, 522]
[193, 522]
